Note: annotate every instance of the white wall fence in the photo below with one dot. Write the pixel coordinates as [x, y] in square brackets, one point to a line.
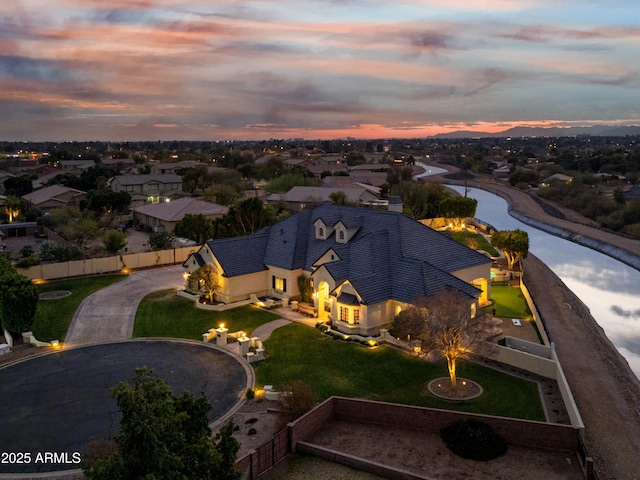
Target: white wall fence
[541, 360]
[114, 264]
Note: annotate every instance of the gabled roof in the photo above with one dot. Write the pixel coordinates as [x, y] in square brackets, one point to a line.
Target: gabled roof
[176, 210]
[390, 256]
[319, 194]
[49, 193]
[241, 255]
[148, 178]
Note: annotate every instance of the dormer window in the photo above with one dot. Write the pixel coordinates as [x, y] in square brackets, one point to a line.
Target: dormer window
[323, 231]
[341, 235]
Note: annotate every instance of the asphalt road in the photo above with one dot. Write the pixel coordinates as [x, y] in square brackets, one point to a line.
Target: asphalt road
[60, 402]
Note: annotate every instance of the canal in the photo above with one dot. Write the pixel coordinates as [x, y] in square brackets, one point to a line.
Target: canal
[609, 288]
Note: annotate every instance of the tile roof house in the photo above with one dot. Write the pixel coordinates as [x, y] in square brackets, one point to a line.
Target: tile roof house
[299, 197]
[152, 188]
[55, 196]
[162, 217]
[365, 265]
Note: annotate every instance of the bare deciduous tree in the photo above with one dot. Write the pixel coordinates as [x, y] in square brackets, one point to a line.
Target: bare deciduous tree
[448, 326]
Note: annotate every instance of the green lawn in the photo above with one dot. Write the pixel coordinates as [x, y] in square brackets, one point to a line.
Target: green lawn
[53, 317]
[483, 243]
[334, 367]
[509, 302]
[164, 314]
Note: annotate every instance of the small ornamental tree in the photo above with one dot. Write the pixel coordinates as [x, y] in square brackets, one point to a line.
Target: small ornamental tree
[114, 241]
[447, 328]
[306, 290]
[204, 280]
[164, 436]
[161, 240]
[13, 206]
[514, 244]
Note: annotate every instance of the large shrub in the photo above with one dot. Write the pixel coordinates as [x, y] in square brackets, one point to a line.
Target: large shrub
[18, 299]
[474, 440]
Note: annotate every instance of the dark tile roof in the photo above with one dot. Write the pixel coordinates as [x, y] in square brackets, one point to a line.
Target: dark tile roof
[241, 255]
[348, 299]
[389, 257]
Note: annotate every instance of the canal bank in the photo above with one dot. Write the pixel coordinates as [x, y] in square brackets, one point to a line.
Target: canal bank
[604, 386]
[605, 389]
[572, 226]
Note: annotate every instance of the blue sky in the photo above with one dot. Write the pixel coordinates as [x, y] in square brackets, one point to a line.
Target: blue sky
[214, 70]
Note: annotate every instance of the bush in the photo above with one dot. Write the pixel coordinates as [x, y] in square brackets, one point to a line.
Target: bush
[250, 394]
[323, 327]
[27, 262]
[473, 440]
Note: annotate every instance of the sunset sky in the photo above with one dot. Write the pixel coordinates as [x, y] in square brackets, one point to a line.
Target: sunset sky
[216, 70]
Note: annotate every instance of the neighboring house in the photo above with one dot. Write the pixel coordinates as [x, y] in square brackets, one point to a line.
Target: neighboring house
[162, 217]
[76, 166]
[39, 170]
[299, 198]
[173, 167]
[148, 188]
[370, 167]
[44, 179]
[365, 265]
[48, 198]
[561, 177]
[119, 164]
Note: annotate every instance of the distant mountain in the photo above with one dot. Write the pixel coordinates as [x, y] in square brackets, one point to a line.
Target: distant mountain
[595, 130]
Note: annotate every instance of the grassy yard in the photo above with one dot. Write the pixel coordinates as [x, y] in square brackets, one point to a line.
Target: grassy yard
[53, 317]
[483, 243]
[164, 314]
[334, 367]
[509, 302]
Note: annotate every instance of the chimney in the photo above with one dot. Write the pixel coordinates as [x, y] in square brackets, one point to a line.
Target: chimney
[395, 204]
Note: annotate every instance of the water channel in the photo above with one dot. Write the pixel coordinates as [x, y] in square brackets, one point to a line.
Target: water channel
[609, 288]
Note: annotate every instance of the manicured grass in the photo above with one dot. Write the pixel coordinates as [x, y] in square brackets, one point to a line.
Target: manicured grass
[483, 243]
[335, 367]
[164, 314]
[509, 302]
[53, 317]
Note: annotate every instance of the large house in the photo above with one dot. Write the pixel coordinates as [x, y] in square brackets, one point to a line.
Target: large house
[54, 196]
[148, 188]
[162, 217]
[300, 197]
[365, 265]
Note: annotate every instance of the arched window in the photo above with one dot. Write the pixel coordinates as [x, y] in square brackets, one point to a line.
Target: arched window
[341, 235]
[321, 232]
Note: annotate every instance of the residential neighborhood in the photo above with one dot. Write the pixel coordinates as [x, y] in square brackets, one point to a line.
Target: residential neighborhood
[256, 248]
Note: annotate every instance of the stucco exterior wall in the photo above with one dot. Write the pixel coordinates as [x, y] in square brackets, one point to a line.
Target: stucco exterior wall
[239, 288]
[291, 276]
[481, 271]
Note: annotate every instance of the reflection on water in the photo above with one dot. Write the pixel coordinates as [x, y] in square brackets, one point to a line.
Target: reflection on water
[608, 287]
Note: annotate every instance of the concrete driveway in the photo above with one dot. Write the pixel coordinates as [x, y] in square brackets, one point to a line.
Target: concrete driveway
[60, 402]
[108, 314]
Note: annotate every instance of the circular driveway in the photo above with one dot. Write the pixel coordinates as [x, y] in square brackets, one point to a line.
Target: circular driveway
[53, 406]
